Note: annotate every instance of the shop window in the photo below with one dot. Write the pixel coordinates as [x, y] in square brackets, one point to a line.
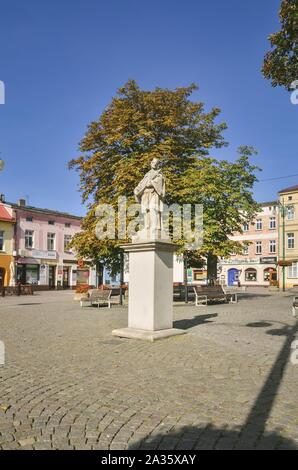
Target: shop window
[32, 274]
[83, 276]
[251, 274]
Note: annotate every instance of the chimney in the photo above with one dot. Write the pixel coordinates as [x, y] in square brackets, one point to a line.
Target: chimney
[22, 202]
[2, 198]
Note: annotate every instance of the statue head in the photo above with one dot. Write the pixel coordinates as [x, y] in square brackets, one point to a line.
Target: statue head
[154, 163]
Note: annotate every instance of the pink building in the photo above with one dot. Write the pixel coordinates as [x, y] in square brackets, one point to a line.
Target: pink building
[42, 254]
[257, 265]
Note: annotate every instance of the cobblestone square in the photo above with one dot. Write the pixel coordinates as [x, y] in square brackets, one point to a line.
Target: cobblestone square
[228, 383]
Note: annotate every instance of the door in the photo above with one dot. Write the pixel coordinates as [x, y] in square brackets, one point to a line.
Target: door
[2, 274]
[233, 276]
[65, 277]
[52, 277]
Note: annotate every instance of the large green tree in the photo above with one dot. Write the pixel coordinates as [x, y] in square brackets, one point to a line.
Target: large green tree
[281, 62]
[138, 125]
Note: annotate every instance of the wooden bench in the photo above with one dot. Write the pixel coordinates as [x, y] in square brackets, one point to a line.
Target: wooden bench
[204, 294]
[98, 297]
[295, 305]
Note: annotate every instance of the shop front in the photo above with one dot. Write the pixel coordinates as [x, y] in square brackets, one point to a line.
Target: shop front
[250, 272]
[28, 270]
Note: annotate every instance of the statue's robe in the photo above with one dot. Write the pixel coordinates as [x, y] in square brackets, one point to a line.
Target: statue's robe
[150, 193]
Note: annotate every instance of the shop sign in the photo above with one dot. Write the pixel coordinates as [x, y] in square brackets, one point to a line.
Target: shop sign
[44, 254]
[268, 259]
[240, 261]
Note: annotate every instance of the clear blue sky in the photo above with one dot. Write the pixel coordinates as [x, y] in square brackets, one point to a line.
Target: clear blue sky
[62, 61]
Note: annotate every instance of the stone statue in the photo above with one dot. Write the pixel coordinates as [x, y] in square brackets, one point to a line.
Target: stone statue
[150, 194]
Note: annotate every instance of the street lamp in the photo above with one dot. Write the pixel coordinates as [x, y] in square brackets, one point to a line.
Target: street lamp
[283, 209]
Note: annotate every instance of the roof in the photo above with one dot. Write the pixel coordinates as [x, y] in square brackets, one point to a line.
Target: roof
[270, 203]
[44, 211]
[5, 215]
[291, 189]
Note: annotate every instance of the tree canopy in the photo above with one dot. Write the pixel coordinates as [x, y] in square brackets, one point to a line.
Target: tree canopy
[281, 63]
[139, 125]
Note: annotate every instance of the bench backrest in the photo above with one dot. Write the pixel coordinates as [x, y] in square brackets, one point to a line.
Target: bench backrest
[101, 294]
[209, 290]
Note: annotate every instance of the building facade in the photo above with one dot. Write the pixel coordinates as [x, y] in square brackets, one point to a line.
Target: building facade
[42, 255]
[288, 236]
[257, 265]
[7, 229]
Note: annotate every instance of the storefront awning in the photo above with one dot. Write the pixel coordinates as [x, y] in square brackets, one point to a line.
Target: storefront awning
[28, 261]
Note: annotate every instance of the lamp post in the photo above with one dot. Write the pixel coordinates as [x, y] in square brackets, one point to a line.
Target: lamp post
[283, 215]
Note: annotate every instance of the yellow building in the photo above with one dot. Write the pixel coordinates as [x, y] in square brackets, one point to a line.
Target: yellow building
[288, 237]
[7, 222]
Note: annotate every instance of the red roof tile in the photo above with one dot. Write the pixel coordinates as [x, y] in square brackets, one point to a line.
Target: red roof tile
[5, 215]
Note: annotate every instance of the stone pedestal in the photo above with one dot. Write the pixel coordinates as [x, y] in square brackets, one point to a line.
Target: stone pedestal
[150, 304]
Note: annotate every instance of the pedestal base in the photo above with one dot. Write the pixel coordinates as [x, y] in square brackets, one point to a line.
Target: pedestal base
[134, 333]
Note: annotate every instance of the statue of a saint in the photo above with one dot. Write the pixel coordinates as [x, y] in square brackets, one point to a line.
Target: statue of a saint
[150, 194]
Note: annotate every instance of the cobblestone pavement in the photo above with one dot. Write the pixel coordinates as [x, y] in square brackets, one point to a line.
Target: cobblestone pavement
[68, 384]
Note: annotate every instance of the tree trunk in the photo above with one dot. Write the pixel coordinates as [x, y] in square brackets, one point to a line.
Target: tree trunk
[211, 269]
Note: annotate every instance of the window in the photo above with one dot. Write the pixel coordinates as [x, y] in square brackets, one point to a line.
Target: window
[290, 212]
[290, 198]
[250, 274]
[272, 246]
[291, 240]
[67, 240]
[67, 224]
[51, 222]
[245, 227]
[259, 224]
[29, 235]
[51, 241]
[1, 241]
[272, 223]
[245, 250]
[293, 270]
[29, 219]
[267, 274]
[258, 248]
